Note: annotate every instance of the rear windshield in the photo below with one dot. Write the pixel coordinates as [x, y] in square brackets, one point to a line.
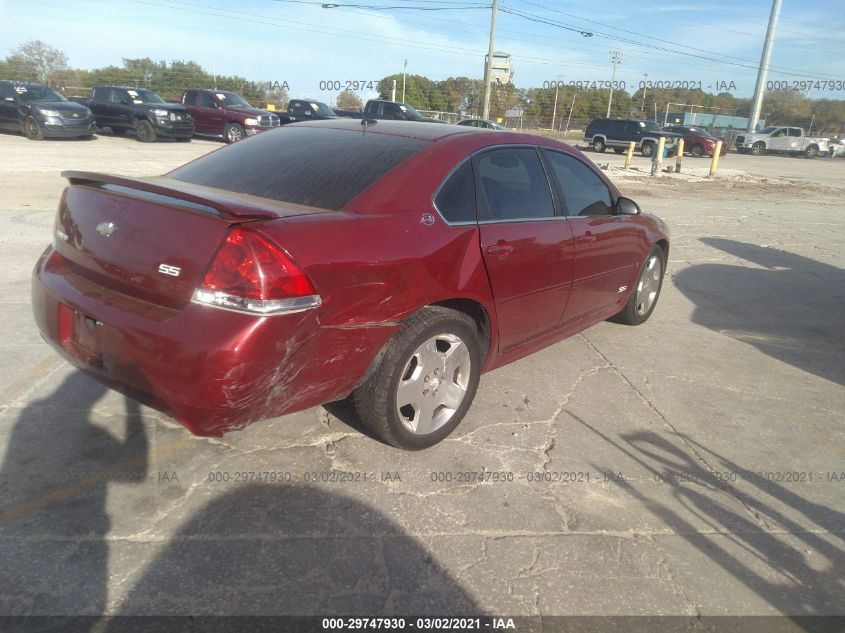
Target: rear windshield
[313, 166]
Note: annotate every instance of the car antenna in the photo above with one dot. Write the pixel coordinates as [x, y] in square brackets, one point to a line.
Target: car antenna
[366, 122]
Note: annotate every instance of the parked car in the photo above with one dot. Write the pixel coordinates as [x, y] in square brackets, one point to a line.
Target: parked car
[779, 139]
[481, 123]
[123, 108]
[38, 111]
[225, 114]
[437, 253]
[697, 140]
[618, 133]
[836, 147]
[379, 109]
[308, 110]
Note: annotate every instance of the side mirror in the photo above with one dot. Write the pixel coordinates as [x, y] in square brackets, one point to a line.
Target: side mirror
[218, 105]
[626, 206]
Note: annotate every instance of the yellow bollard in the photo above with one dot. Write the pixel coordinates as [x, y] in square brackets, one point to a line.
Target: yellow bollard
[630, 154]
[679, 156]
[657, 159]
[714, 162]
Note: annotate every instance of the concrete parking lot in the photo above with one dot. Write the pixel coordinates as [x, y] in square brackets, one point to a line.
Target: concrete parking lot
[691, 466]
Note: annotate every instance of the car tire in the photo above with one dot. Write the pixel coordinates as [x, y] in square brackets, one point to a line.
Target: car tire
[436, 346]
[812, 151]
[144, 131]
[696, 150]
[118, 131]
[599, 145]
[619, 150]
[647, 150]
[32, 129]
[758, 149]
[646, 291]
[233, 133]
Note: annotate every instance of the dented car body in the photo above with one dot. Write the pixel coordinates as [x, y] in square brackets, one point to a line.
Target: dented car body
[237, 288]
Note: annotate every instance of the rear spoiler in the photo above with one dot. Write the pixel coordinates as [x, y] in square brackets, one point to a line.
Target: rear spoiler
[227, 204]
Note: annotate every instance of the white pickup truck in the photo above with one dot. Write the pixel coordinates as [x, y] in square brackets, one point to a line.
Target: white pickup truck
[787, 140]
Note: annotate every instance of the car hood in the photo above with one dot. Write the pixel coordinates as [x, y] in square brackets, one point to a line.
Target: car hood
[60, 106]
[250, 111]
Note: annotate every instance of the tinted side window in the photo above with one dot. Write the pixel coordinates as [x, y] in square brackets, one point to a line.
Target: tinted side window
[318, 167]
[118, 95]
[190, 97]
[581, 189]
[392, 110]
[6, 91]
[101, 94]
[206, 100]
[513, 185]
[456, 198]
[794, 131]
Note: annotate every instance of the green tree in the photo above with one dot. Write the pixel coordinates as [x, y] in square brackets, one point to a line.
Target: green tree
[348, 100]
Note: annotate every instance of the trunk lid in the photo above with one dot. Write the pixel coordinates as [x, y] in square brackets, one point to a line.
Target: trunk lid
[153, 238]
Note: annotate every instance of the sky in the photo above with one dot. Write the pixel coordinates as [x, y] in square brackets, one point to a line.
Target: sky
[714, 44]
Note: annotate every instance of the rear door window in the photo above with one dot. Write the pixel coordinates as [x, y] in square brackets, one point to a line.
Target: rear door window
[318, 167]
[206, 100]
[190, 97]
[513, 185]
[456, 198]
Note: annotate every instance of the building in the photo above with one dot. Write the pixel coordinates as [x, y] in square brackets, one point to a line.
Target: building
[502, 68]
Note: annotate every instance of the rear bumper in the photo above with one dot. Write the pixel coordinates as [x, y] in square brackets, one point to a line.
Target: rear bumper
[213, 370]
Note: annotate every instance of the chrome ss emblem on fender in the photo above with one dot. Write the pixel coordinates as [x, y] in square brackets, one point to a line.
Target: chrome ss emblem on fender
[106, 229]
[167, 269]
[427, 219]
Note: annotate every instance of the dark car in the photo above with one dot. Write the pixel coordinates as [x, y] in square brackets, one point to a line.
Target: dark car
[697, 140]
[391, 262]
[481, 123]
[38, 111]
[619, 133]
[124, 108]
[394, 111]
[226, 114]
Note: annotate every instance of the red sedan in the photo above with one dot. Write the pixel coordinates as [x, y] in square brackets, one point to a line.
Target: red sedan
[698, 141]
[388, 262]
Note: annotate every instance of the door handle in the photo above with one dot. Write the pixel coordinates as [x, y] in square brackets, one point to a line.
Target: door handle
[586, 238]
[500, 249]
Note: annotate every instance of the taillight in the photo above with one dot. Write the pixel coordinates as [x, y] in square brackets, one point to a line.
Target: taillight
[251, 274]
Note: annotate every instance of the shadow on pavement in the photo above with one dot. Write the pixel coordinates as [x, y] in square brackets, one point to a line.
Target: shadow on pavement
[54, 481]
[784, 548]
[791, 308]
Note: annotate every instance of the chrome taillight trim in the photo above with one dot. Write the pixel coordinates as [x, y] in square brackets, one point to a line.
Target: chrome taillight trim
[255, 307]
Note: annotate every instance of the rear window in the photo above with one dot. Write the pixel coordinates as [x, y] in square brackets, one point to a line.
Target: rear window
[313, 166]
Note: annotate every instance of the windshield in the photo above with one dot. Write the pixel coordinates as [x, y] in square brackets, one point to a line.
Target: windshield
[38, 93]
[321, 109]
[651, 126]
[409, 111]
[139, 95]
[701, 132]
[233, 100]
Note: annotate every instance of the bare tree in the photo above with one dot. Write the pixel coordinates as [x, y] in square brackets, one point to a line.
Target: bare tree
[38, 59]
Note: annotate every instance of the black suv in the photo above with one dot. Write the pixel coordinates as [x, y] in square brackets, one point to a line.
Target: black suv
[40, 111]
[618, 133]
[123, 108]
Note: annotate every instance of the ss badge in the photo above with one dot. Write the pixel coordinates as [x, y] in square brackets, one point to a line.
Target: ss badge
[167, 269]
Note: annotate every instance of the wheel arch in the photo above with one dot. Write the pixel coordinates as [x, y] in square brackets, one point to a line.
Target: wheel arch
[478, 313]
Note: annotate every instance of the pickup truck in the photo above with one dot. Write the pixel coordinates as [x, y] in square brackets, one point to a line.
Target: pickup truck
[123, 108]
[308, 110]
[226, 114]
[786, 140]
[392, 110]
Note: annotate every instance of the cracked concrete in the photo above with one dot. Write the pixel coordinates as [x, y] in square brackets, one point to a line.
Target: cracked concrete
[691, 466]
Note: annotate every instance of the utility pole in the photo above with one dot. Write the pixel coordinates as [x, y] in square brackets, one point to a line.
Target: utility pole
[645, 88]
[615, 58]
[763, 71]
[554, 109]
[488, 68]
[404, 71]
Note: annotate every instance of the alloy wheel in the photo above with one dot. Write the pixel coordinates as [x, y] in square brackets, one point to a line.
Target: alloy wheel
[649, 285]
[433, 383]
